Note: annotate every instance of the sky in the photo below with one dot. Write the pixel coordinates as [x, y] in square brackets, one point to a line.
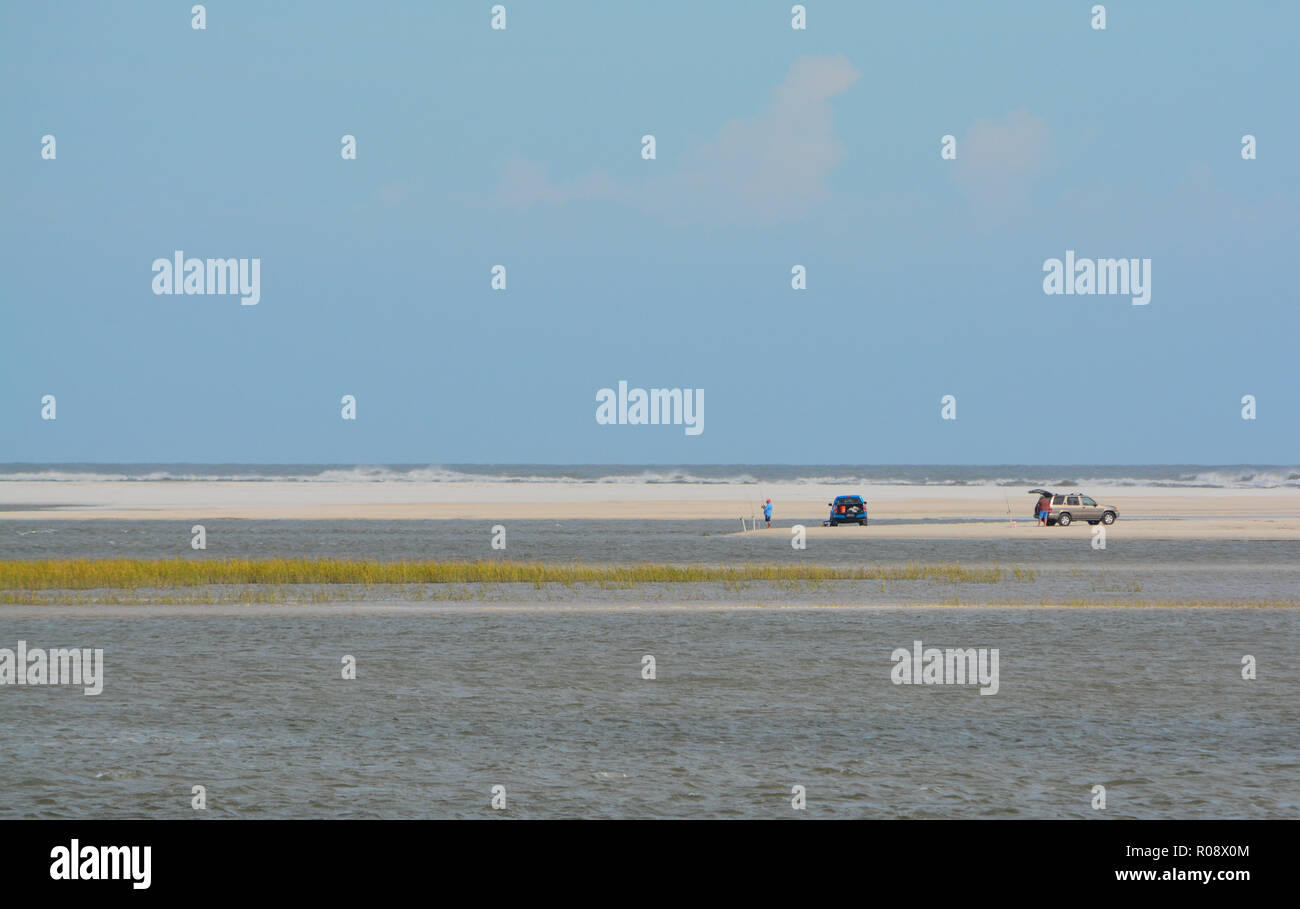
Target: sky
[774, 147]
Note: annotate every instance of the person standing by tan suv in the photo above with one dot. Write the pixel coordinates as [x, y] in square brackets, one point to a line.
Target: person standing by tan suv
[1078, 507]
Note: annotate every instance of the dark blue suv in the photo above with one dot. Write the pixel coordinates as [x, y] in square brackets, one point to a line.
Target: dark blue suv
[847, 510]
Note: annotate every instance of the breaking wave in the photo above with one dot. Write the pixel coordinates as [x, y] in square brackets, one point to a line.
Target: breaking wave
[1208, 477]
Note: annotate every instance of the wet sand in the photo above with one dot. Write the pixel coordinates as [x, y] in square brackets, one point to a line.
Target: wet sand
[1161, 529]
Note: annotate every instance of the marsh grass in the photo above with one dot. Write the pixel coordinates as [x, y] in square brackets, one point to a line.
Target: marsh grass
[1104, 586]
[294, 596]
[130, 574]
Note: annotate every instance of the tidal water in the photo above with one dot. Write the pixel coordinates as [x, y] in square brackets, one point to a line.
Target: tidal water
[539, 690]
[449, 702]
[1066, 570]
[608, 541]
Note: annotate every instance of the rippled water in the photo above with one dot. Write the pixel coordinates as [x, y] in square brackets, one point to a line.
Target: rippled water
[1067, 570]
[588, 541]
[522, 691]
[550, 704]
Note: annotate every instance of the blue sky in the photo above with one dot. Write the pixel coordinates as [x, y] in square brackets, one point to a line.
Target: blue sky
[775, 147]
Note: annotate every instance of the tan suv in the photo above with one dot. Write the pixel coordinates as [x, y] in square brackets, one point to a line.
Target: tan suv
[1076, 506]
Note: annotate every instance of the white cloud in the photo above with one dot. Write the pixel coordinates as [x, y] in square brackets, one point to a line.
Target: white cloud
[761, 169]
[525, 183]
[998, 162]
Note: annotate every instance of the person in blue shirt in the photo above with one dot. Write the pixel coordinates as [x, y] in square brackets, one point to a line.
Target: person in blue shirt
[767, 512]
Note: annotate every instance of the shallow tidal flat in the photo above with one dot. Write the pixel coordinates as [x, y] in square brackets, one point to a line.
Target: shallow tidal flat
[454, 699]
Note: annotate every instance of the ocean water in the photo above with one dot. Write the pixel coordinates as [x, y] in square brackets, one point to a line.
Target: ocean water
[449, 703]
[1231, 476]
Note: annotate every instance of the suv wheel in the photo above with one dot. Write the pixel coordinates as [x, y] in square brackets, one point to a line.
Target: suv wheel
[1108, 518]
[1063, 519]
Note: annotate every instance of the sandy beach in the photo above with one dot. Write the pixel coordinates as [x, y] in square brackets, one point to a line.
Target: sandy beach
[958, 512]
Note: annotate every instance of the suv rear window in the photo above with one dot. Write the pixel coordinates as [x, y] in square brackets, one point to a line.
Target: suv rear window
[1058, 500]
